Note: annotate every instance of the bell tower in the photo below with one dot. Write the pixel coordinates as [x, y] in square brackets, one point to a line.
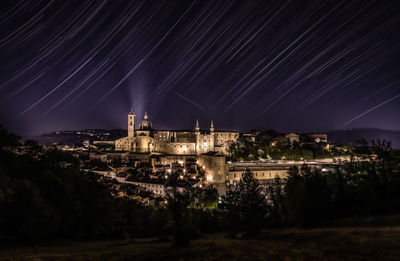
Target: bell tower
[131, 124]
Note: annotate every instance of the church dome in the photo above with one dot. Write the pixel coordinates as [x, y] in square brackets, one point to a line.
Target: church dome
[145, 124]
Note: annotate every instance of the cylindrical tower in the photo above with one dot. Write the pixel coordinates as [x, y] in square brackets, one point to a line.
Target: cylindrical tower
[131, 124]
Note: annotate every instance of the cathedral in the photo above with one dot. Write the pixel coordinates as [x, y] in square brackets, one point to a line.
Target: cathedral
[180, 142]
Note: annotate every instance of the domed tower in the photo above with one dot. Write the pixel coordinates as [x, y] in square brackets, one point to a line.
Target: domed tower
[144, 135]
[145, 124]
[131, 124]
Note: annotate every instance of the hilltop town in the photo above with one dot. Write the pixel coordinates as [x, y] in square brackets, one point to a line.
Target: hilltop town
[151, 160]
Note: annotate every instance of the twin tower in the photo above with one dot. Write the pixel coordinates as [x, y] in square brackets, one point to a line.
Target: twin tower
[146, 123]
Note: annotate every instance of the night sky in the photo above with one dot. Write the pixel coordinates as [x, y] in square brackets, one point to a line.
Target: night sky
[289, 65]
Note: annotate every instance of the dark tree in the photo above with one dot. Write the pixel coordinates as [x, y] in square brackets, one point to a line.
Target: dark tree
[276, 199]
[180, 215]
[307, 197]
[245, 208]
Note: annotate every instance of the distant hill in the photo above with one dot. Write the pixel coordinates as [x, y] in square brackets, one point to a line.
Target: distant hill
[77, 137]
[352, 135]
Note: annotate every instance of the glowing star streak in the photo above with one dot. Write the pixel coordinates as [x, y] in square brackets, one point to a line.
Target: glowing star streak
[142, 60]
[188, 100]
[53, 90]
[372, 109]
[263, 64]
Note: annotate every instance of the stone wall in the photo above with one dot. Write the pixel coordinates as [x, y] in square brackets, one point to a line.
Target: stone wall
[215, 168]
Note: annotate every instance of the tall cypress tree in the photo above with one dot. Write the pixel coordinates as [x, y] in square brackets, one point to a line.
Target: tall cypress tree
[245, 207]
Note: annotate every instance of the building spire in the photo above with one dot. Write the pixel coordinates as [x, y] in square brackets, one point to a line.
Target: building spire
[212, 126]
[131, 111]
[197, 125]
[146, 117]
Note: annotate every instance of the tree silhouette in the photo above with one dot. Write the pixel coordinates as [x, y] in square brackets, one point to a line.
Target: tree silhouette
[307, 197]
[245, 207]
[180, 215]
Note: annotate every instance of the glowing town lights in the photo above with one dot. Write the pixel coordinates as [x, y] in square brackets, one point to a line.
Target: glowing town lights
[169, 171]
[209, 178]
[204, 167]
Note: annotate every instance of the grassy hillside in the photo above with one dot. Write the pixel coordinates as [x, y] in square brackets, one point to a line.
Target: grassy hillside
[355, 243]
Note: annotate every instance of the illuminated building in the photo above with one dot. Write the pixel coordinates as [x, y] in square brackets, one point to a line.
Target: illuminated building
[180, 142]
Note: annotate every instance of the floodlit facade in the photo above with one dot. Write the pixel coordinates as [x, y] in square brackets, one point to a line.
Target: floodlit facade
[181, 142]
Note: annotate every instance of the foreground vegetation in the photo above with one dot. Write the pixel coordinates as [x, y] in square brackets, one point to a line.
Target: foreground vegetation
[44, 195]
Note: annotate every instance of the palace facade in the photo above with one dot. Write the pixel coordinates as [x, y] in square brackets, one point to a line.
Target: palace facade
[180, 142]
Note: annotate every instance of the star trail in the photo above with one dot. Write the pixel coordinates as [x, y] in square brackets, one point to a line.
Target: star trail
[289, 65]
